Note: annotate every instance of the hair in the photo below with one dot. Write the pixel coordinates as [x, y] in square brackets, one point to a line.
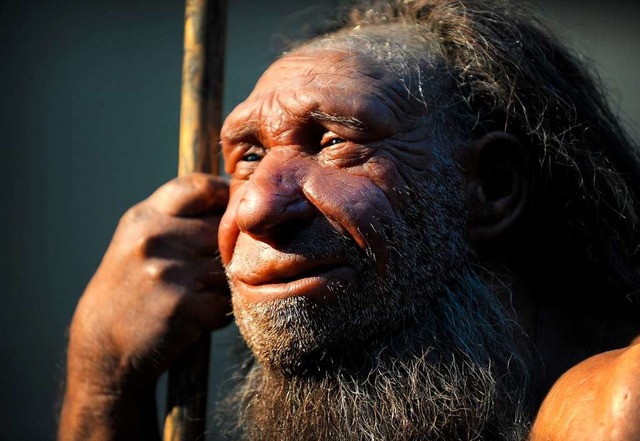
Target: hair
[512, 74]
[508, 73]
[472, 382]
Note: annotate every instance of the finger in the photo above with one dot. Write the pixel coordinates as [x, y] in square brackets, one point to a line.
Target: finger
[192, 310]
[211, 309]
[209, 300]
[191, 195]
[201, 274]
[181, 238]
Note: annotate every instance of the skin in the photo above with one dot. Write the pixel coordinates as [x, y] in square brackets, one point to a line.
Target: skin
[157, 289]
[599, 399]
[316, 155]
[161, 263]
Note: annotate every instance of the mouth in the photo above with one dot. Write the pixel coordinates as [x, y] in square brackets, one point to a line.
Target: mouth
[316, 282]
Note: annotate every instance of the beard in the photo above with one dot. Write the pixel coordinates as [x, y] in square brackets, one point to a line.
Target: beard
[426, 352]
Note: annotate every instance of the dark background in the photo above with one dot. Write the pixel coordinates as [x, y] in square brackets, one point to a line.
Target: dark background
[89, 112]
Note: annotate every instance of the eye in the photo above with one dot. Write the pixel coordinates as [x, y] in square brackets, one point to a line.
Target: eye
[329, 139]
[251, 157]
[253, 154]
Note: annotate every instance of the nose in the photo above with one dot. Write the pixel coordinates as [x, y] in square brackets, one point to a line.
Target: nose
[273, 206]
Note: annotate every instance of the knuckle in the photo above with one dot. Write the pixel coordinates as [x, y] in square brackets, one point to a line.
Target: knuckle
[146, 245]
[136, 222]
[157, 271]
[133, 215]
[140, 232]
[173, 185]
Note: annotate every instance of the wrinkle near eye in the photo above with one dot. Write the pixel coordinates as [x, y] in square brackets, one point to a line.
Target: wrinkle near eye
[346, 154]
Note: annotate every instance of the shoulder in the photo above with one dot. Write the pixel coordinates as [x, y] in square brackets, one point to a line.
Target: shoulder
[598, 399]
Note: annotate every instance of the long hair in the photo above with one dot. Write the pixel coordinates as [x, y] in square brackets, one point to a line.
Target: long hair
[512, 74]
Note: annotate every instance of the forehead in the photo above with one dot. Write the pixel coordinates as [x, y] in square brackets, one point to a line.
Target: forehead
[331, 67]
[334, 83]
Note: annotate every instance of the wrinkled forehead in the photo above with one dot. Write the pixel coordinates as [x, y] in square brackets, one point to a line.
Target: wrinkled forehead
[330, 66]
[335, 82]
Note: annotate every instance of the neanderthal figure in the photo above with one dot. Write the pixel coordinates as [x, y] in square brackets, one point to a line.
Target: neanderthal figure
[432, 216]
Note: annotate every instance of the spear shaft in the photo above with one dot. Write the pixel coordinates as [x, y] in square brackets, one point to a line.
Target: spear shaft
[200, 121]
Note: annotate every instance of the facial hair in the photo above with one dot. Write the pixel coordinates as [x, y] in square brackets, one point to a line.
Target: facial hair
[426, 353]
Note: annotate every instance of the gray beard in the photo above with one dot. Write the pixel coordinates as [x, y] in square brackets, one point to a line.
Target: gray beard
[427, 353]
[463, 375]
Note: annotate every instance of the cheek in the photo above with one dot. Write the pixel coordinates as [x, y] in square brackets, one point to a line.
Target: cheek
[228, 230]
[356, 206]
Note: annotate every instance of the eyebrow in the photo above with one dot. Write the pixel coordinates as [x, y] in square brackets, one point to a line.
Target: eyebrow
[247, 130]
[347, 121]
[251, 128]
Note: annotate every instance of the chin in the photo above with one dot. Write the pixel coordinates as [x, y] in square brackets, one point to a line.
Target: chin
[298, 335]
[457, 372]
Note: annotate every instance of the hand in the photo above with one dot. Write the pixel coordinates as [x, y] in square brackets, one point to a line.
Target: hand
[158, 288]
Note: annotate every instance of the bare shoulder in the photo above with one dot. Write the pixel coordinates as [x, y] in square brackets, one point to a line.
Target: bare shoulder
[598, 399]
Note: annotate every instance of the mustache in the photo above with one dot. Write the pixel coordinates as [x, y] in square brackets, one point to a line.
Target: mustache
[310, 247]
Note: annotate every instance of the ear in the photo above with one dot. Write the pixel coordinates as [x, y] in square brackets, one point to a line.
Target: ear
[496, 185]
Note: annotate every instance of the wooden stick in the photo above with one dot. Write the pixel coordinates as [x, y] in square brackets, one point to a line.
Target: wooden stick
[200, 121]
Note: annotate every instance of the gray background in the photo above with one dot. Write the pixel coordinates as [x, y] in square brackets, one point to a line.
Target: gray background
[89, 103]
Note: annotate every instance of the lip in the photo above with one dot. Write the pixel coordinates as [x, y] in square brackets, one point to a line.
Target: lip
[311, 282]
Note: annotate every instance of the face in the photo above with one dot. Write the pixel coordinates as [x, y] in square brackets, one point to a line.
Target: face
[345, 213]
